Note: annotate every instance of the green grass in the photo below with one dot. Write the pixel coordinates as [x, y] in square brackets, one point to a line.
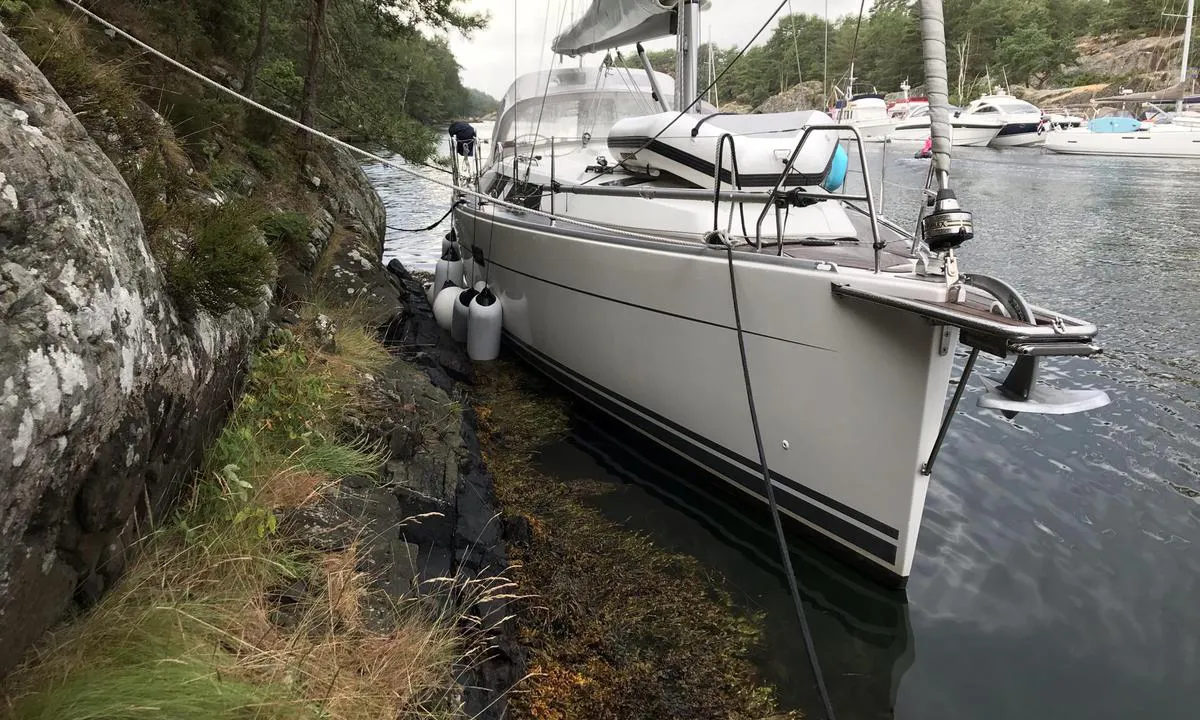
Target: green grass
[192, 632]
[151, 666]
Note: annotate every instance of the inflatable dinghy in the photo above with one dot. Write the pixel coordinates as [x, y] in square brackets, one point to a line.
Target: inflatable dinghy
[686, 147]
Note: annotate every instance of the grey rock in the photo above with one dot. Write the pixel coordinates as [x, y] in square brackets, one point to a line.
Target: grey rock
[107, 397]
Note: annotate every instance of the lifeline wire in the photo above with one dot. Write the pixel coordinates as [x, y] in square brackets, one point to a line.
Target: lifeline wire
[359, 151]
[766, 473]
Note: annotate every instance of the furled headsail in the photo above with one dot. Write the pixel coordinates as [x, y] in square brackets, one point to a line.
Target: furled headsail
[612, 23]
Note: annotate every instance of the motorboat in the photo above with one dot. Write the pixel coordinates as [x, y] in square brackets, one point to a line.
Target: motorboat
[707, 280]
[1023, 123]
[966, 131]
[1126, 136]
[868, 113]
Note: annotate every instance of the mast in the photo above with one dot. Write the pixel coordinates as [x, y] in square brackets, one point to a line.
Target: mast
[1187, 49]
[948, 225]
[688, 50]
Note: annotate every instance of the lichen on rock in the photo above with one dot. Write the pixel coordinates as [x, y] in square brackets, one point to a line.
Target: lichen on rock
[104, 404]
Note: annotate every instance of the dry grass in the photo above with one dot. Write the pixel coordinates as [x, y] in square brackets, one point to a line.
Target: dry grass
[219, 617]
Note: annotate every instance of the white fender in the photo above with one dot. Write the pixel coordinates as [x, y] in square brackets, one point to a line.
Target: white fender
[449, 267]
[448, 240]
[443, 305]
[483, 327]
[462, 313]
[479, 286]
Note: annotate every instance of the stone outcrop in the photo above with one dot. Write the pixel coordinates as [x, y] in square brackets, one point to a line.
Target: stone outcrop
[107, 397]
[804, 96]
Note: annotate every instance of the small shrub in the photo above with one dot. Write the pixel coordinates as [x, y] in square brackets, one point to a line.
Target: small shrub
[12, 11]
[264, 159]
[286, 230]
[226, 175]
[221, 264]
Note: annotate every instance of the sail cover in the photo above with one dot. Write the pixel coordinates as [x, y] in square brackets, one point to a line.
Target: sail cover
[612, 23]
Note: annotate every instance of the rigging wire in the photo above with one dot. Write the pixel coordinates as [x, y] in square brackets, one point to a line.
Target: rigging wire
[825, 62]
[711, 85]
[862, 6]
[795, 42]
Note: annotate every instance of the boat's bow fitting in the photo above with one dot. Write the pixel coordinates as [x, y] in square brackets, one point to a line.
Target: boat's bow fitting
[994, 318]
[1020, 391]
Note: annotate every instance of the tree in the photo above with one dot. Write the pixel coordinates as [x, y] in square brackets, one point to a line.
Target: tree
[1031, 52]
[318, 11]
[254, 65]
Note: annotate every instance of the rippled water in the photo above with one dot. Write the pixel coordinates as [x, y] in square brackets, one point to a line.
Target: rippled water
[1057, 569]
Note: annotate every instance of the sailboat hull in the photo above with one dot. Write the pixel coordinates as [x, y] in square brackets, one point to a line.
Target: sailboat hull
[1160, 142]
[849, 397]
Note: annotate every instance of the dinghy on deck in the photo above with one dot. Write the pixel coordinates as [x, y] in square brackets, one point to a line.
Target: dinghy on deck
[687, 147]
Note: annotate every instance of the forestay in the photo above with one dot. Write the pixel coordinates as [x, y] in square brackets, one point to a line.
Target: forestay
[612, 23]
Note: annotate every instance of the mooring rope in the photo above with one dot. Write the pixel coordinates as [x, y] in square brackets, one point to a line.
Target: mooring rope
[365, 153]
[793, 584]
[427, 228]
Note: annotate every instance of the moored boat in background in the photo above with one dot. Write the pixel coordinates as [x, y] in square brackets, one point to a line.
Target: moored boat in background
[1023, 123]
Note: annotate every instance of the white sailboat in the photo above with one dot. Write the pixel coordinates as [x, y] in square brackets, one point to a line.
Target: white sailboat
[1179, 139]
[868, 113]
[657, 259]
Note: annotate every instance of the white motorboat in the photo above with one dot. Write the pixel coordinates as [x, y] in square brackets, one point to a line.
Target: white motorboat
[868, 113]
[704, 279]
[1127, 137]
[1023, 124]
[975, 131]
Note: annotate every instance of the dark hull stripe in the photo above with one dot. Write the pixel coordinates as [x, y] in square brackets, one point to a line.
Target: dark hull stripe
[708, 455]
[1018, 129]
[707, 169]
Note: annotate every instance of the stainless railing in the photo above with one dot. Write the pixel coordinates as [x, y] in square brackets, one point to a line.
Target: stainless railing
[768, 198]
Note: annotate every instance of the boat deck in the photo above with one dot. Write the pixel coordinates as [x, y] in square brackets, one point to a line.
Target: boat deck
[855, 253]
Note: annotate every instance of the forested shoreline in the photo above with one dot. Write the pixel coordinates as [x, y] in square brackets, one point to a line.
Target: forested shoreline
[1017, 42]
[371, 70]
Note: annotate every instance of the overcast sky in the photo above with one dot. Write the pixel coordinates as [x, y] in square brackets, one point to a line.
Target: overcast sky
[487, 56]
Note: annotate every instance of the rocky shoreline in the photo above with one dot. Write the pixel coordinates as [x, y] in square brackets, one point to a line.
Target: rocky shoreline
[433, 513]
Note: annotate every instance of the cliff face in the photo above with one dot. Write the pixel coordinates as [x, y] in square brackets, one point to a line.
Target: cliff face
[107, 397]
